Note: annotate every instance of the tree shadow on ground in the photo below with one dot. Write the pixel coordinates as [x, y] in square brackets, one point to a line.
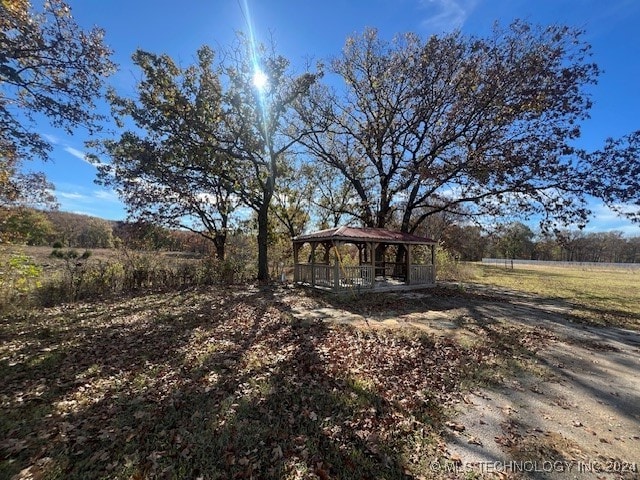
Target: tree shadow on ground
[584, 373]
[218, 384]
[523, 335]
[228, 383]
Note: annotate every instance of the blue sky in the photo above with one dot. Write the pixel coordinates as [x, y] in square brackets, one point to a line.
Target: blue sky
[306, 30]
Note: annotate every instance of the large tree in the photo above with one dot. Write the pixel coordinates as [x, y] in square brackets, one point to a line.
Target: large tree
[460, 124]
[48, 66]
[261, 129]
[168, 167]
[205, 138]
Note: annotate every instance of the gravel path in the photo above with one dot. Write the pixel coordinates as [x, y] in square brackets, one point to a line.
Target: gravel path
[577, 415]
[580, 420]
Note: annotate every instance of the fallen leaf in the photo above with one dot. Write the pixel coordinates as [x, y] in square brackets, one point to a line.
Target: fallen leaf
[458, 427]
[276, 453]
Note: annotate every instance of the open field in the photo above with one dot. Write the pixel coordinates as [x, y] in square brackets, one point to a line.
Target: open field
[602, 297]
[42, 255]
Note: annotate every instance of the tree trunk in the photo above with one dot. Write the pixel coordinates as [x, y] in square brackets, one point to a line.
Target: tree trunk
[263, 239]
[220, 241]
[400, 270]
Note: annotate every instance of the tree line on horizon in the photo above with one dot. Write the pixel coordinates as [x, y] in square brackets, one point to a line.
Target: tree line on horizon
[24, 226]
[453, 127]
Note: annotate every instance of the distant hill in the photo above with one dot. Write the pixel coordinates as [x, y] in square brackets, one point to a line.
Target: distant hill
[47, 228]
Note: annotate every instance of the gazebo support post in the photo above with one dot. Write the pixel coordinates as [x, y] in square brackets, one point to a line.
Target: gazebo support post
[314, 245]
[433, 263]
[373, 246]
[408, 260]
[336, 267]
[296, 252]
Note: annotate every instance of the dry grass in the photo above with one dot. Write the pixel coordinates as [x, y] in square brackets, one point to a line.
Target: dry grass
[599, 296]
[42, 255]
[225, 382]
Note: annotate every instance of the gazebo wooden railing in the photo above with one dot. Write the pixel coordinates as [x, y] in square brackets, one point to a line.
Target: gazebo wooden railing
[373, 272]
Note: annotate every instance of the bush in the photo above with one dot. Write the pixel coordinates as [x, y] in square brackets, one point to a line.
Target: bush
[449, 268]
[80, 277]
[70, 254]
[19, 276]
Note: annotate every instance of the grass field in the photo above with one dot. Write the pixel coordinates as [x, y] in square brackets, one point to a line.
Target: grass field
[601, 297]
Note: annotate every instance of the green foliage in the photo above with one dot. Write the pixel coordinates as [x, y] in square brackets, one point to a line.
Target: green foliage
[48, 66]
[515, 241]
[165, 179]
[449, 267]
[19, 275]
[25, 226]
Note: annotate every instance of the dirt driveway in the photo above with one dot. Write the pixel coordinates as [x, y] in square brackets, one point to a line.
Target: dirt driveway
[572, 411]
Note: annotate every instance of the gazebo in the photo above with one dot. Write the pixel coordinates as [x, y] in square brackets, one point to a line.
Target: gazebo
[384, 261]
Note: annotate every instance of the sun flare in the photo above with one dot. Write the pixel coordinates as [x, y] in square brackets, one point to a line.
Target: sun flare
[260, 79]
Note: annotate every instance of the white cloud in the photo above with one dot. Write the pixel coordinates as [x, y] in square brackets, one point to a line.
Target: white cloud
[51, 138]
[446, 15]
[606, 220]
[71, 195]
[83, 212]
[77, 153]
[106, 195]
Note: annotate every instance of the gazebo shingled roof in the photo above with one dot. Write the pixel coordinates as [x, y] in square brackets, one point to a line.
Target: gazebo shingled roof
[364, 234]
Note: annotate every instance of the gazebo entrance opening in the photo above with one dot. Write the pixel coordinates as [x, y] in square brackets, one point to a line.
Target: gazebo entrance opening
[361, 259]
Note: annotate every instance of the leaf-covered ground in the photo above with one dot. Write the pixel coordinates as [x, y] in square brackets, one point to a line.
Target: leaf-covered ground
[228, 383]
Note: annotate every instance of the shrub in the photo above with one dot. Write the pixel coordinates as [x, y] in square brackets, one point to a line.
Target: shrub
[80, 277]
[19, 276]
[64, 254]
[449, 268]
